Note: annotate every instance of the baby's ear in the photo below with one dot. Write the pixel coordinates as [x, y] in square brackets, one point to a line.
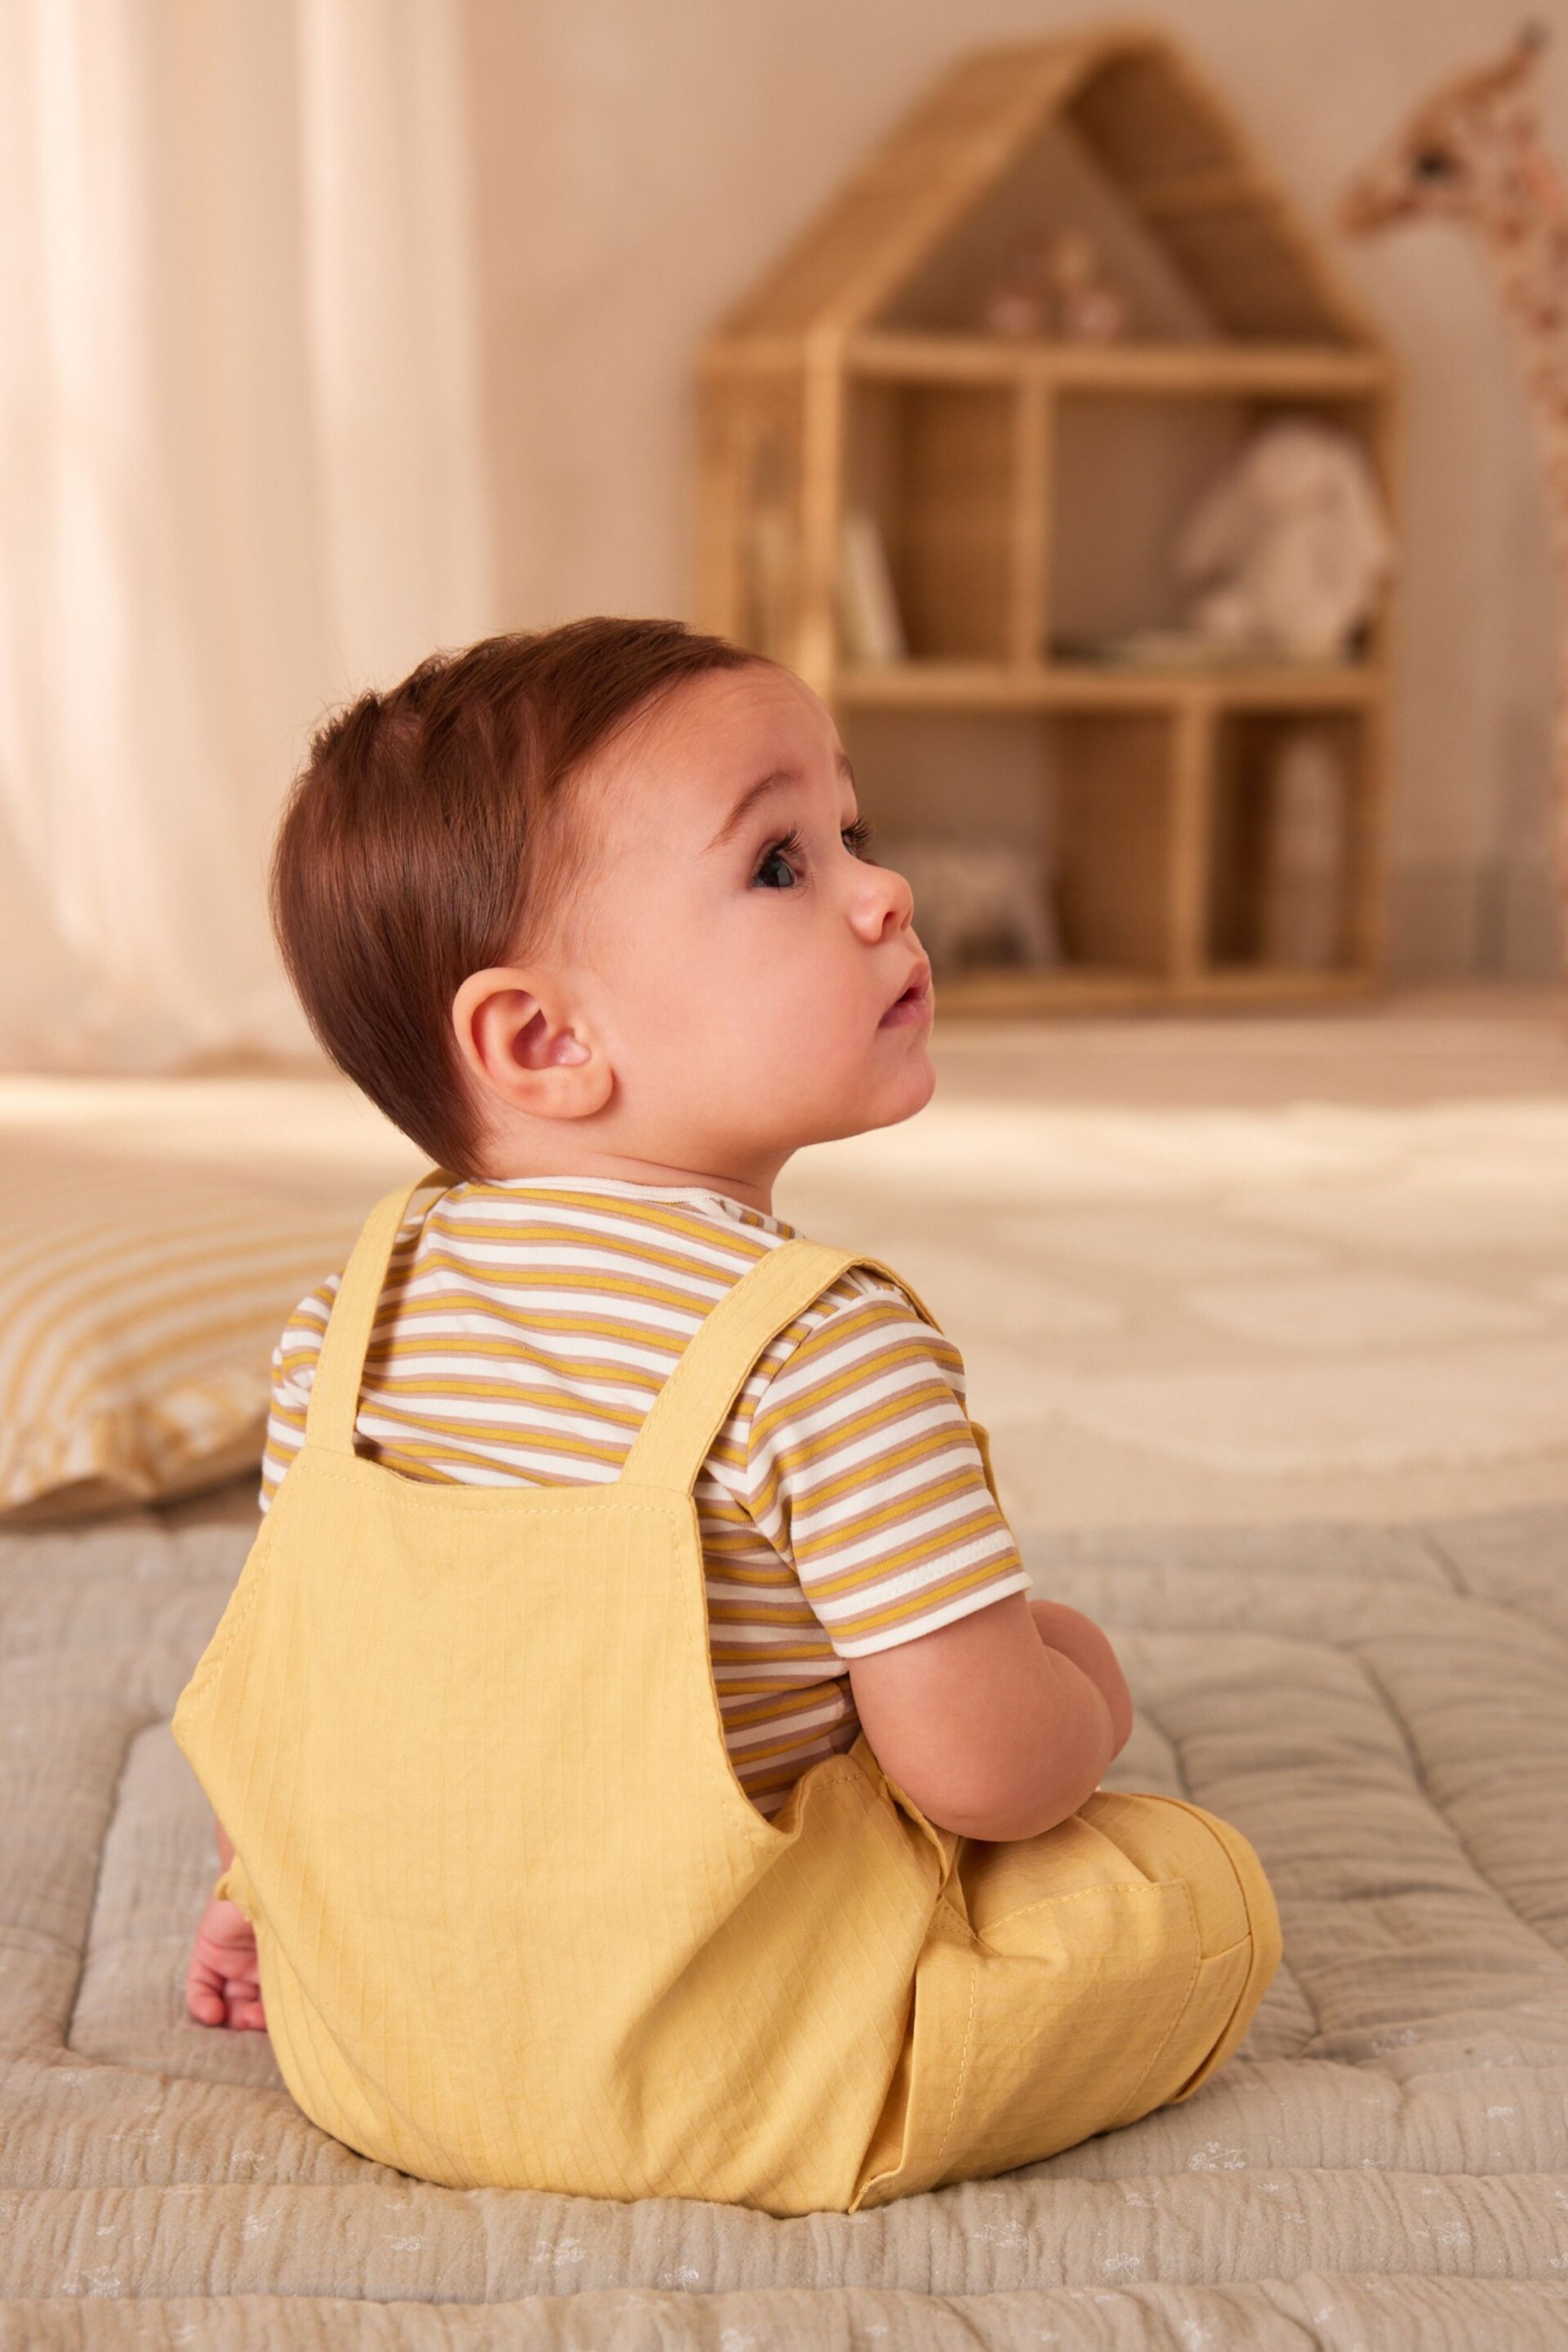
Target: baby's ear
[521, 1048]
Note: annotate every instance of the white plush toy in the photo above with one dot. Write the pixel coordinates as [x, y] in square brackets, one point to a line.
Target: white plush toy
[1287, 553]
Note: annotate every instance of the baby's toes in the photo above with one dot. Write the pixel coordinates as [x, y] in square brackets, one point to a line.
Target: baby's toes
[207, 2007]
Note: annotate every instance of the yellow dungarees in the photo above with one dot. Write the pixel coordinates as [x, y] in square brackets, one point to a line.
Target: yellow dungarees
[520, 1927]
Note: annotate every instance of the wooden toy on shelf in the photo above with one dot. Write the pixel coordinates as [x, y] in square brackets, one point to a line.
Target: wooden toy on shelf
[1021, 492]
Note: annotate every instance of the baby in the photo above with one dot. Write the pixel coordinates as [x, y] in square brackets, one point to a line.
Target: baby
[592, 916]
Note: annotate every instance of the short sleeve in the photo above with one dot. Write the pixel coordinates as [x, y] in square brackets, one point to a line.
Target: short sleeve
[294, 1362]
[863, 1471]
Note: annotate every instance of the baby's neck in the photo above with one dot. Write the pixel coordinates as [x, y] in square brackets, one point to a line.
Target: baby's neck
[753, 1186]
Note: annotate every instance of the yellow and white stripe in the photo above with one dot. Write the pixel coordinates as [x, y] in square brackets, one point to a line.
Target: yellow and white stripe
[138, 1308]
[524, 1330]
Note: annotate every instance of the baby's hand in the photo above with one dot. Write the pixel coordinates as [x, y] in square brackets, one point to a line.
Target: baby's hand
[222, 1987]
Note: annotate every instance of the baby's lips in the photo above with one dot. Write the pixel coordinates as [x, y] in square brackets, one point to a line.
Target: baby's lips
[915, 990]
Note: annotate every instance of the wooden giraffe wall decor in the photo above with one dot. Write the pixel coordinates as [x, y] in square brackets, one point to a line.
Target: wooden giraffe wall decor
[1473, 153]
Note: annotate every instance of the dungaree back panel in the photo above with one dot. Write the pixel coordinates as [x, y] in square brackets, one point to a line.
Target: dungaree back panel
[519, 1925]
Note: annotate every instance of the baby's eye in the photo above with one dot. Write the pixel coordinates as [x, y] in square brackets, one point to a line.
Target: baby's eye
[857, 837]
[775, 871]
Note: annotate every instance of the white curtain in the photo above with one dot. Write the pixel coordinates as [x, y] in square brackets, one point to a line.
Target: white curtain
[240, 475]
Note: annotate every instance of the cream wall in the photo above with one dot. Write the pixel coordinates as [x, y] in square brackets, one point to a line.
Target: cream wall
[637, 162]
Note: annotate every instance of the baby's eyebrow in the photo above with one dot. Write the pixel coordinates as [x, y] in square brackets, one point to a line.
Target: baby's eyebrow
[776, 780]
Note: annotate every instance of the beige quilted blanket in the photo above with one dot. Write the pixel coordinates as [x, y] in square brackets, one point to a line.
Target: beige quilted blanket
[1385, 1714]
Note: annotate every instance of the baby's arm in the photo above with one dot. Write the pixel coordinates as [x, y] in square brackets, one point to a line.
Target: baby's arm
[865, 1471]
[222, 1986]
[1078, 1637]
[1001, 1724]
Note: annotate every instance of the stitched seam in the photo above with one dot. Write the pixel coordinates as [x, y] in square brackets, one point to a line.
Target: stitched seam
[1286, 1974]
[1209, 1820]
[759, 1829]
[1079, 1894]
[1191, 1805]
[1462, 1589]
[1416, 1765]
[116, 1796]
[430, 1494]
[1448, 1568]
[825, 1768]
[962, 2075]
[1251, 1936]
[1186, 2000]
[1206, 2064]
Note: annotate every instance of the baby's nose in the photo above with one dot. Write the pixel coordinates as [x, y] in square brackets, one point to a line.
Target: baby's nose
[885, 904]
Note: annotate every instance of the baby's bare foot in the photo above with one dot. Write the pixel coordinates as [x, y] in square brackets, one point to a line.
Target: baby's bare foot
[222, 1984]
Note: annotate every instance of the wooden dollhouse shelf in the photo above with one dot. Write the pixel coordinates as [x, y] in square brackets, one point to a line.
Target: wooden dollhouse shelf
[1026, 493]
[1300, 371]
[1109, 685]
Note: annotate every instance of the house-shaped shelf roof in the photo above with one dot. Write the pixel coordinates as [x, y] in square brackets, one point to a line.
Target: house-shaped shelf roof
[1111, 130]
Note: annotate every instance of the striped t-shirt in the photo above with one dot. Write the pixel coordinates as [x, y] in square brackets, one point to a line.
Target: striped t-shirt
[523, 1331]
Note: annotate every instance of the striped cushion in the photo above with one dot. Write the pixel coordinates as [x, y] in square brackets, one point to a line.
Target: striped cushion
[139, 1308]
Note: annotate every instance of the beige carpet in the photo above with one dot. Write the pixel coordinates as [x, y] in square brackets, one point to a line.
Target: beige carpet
[1383, 2168]
[1234, 1270]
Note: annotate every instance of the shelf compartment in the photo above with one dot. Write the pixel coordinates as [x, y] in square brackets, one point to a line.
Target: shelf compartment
[1110, 829]
[1079, 803]
[936, 467]
[1127, 476]
[1287, 869]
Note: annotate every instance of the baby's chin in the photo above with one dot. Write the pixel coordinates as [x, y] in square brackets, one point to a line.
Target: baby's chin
[889, 1092]
[918, 1085]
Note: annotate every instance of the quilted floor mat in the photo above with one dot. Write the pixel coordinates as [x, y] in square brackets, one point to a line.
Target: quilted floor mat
[1383, 1712]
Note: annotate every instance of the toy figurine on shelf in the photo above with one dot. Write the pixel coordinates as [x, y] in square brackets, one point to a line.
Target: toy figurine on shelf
[1288, 552]
[1306, 878]
[1055, 283]
[977, 901]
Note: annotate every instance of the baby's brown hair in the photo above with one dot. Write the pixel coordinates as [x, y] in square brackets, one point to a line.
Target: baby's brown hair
[429, 837]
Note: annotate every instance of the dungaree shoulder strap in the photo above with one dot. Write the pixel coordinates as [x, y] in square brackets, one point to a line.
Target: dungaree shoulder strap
[339, 1368]
[700, 1395]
